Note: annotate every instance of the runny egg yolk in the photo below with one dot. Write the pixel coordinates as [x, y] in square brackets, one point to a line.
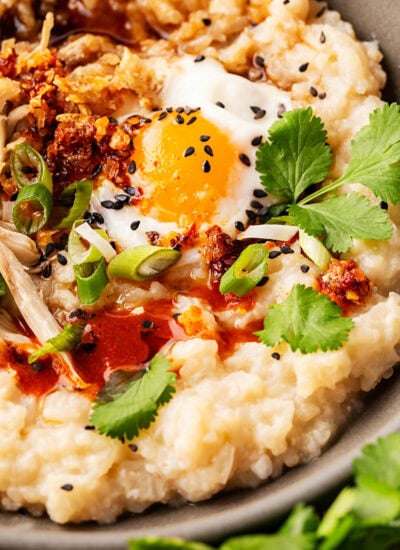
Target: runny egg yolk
[185, 165]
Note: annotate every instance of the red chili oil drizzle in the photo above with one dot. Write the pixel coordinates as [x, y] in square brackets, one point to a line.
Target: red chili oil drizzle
[121, 340]
[229, 339]
[37, 379]
[221, 302]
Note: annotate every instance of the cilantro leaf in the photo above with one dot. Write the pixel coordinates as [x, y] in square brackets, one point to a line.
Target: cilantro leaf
[158, 543]
[371, 538]
[381, 461]
[271, 542]
[307, 321]
[133, 407]
[296, 155]
[375, 155]
[341, 218]
[303, 519]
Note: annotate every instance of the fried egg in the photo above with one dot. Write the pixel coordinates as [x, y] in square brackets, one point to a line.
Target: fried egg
[194, 159]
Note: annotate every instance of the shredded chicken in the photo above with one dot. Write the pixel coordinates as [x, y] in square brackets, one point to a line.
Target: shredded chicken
[21, 245]
[8, 330]
[34, 311]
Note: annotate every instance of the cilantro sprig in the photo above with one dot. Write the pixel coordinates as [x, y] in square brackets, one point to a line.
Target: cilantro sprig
[124, 407]
[307, 321]
[296, 156]
[365, 515]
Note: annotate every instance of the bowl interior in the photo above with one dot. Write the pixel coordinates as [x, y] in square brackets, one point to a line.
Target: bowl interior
[244, 510]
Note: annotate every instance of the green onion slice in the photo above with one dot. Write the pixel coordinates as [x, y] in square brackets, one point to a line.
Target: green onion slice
[71, 204]
[32, 208]
[91, 279]
[143, 262]
[29, 168]
[246, 272]
[78, 251]
[67, 340]
[315, 250]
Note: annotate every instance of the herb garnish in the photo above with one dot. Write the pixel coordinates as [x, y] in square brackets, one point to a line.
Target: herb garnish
[297, 156]
[121, 410]
[364, 516]
[307, 321]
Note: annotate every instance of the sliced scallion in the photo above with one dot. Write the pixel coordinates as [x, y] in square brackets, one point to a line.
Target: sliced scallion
[29, 168]
[246, 272]
[315, 250]
[67, 340]
[32, 208]
[78, 252]
[71, 204]
[143, 262]
[91, 279]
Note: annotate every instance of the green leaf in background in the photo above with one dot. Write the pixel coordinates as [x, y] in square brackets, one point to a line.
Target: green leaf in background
[158, 543]
[381, 461]
[271, 542]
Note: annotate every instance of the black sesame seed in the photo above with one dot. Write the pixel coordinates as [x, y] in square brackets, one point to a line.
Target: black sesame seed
[204, 138]
[208, 150]
[260, 61]
[132, 191]
[281, 110]
[107, 204]
[176, 315]
[322, 37]
[97, 169]
[260, 193]
[256, 141]
[191, 121]
[118, 205]
[179, 119]
[303, 67]
[14, 196]
[147, 120]
[274, 254]
[258, 112]
[37, 367]
[169, 109]
[122, 198]
[132, 167]
[286, 249]
[134, 225]
[263, 281]
[112, 120]
[199, 58]
[313, 91]
[77, 313]
[89, 427]
[50, 248]
[133, 447]
[286, 2]
[147, 324]
[67, 487]
[88, 217]
[97, 218]
[220, 104]
[256, 204]
[88, 346]
[251, 214]
[239, 226]
[189, 151]
[305, 268]
[322, 95]
[62, 260]
[275, 355]
[206, 166]
[163, 115]
[244, 159]
[46, 271]
[384, 205]
[180, 110]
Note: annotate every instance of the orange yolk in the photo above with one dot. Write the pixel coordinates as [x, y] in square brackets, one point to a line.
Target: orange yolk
[185, 165]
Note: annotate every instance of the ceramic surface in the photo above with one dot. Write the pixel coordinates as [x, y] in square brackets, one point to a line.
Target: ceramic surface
[246, 510]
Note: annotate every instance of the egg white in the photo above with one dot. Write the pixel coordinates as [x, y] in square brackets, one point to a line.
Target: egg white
[201, 85]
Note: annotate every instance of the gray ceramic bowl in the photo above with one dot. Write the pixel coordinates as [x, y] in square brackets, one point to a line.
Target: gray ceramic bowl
[248, 510]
